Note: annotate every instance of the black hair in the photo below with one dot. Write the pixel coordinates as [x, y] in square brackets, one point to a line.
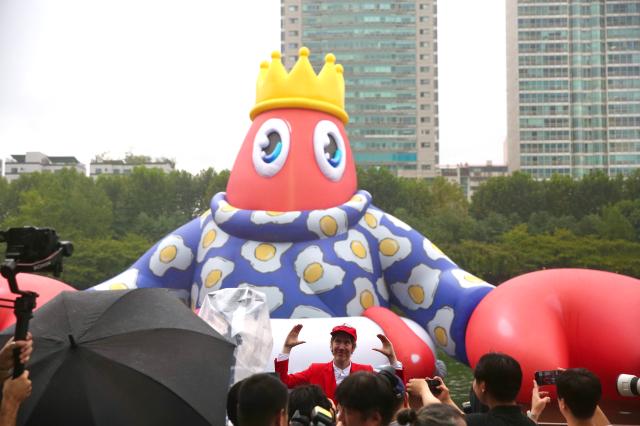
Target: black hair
[501, 375]
[431, 415]
[367, 393]
[232, 402]
[395, 383]
[304, 398]
[581, 390]
[261, 397]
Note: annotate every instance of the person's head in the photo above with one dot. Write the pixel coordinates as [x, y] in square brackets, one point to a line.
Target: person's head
[432, 415]
[497, 378]
[396, 385]
[343, 343]
[232, 402]
[364, 399]
[305, 398]
[262, 401]
[579, 391]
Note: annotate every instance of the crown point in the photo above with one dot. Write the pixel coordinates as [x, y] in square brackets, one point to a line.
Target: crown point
[304, 51]
[339, 69]
[276, 55]
[330, 58]
[264, 64]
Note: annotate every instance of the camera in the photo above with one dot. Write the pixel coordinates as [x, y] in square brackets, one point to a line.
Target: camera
[628, 385]
[319, 417]
[547, 377]
[36, 249]
[433, 386]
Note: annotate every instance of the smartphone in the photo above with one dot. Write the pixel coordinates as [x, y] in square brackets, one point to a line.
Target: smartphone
[433, 386]
[547, 377]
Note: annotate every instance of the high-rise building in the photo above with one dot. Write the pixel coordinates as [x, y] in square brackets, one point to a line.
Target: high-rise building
[573, 70]
[389, 53]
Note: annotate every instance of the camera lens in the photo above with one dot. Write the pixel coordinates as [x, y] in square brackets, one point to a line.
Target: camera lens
[628, 385]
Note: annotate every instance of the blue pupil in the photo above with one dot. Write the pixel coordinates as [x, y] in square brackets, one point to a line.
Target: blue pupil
[337, 157]
[273, 150]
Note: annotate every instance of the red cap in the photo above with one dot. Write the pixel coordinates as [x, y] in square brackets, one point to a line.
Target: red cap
[345, 329]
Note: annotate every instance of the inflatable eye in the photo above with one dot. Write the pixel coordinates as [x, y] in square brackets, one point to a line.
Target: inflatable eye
[271, 147]
[329, 149]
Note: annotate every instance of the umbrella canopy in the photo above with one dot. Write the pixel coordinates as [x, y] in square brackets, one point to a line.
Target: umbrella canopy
[125, 357]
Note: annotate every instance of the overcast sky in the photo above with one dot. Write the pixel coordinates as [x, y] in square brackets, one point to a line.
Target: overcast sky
[176, 79]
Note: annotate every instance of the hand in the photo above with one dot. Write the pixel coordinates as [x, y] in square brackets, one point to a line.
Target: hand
[387, 349]
[539, 400]
[444, 395]
[18, 389]
[6, 353]
[292, 339]
[420, 388]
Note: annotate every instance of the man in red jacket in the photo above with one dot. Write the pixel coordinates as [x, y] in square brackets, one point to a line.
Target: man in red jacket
[329, 375]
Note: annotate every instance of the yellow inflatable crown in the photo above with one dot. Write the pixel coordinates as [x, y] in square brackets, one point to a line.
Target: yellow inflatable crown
[301, 88]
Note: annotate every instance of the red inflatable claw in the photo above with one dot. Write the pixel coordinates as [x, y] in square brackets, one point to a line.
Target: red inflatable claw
[565, 318]
[47, 288]
[416, 356]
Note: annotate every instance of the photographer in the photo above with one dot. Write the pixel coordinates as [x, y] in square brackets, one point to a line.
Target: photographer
[303, 399]
[422, 394]
[14, 391]
[579, 391]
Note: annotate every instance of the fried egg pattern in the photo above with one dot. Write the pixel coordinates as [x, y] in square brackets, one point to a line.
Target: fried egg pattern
[316, 263]
[355, 249]
[419, 291]
[124, 281]
[211, 237]
[264, 257]
[170, 253]
[316, 276]
[440, 329]
[260, 217]
[365, 297]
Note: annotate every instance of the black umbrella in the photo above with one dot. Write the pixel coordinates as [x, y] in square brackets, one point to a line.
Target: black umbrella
[135, 357]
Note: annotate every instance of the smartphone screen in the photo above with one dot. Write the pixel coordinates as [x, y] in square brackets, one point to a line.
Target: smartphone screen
[547, 377]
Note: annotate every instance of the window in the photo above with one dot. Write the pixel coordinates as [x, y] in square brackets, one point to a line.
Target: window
[293, 8]
[425, 145]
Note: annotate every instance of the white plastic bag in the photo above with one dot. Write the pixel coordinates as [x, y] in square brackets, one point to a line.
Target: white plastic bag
[242, 315]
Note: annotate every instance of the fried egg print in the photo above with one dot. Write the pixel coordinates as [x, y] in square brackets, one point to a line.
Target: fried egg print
[397, 222]
[365, 297]
[371, 219]
[420, 290]
[391, 248]
[382, 289]
[432, 251]
[214, 271]
[123, 281]
[355, 249]
[316, 276]
[260, 217]
[224, 212]
[357, 202]
[327, 223]
[211, 237]
[467, 280]
[440, 328]
[264, 257]
[170, 253]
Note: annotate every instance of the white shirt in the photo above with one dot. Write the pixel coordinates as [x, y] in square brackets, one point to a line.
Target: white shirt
[341, 373]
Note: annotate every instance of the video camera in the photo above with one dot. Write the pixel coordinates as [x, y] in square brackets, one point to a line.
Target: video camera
[29, 249]
[35, 249]
[319, 417]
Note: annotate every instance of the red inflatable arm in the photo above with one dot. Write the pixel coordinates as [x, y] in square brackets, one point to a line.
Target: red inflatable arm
[565, 318]
[47, 288]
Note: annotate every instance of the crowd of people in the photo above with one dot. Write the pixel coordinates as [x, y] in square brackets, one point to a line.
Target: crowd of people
[344, 393]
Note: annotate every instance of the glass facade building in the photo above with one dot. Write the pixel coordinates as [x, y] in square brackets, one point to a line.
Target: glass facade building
[573, 72]
[389, 53]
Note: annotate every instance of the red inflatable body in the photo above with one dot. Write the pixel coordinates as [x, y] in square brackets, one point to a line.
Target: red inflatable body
[562, 318]
[47, 288]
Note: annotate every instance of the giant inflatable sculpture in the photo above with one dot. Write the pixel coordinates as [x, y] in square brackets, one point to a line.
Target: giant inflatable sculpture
[293, 224]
